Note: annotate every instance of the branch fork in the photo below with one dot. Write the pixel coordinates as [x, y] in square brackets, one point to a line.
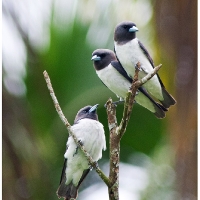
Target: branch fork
[116, 131]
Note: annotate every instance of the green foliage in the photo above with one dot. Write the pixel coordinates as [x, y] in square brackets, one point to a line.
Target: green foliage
[68, 63]
[76, 85]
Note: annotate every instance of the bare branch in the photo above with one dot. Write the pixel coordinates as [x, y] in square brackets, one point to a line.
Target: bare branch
[114, 151]
[68, 126]
[148, 76]
[128, 104]
[116, 132]
[129, 101]
[55, 101]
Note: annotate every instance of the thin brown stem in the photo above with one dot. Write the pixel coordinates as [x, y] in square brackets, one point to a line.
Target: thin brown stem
[114, 151]
[117, 132]
[68, 126]
[128, 105]
[129, 101]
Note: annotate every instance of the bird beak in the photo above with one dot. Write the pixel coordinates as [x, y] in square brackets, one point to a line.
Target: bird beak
[133, 29]
[95, 58]
[93, 108]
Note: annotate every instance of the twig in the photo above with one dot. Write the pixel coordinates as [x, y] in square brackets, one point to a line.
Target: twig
[55, 101]
[129, 101]
[116, 132]
[128, 105]
[68, 126]
[148, 76]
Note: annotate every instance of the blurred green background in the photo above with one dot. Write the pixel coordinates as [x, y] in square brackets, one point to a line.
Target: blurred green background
[60, 36]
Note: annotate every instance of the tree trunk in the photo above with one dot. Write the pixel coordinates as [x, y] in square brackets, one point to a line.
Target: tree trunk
[176, 24]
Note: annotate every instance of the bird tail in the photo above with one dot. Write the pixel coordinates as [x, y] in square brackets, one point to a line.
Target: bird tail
[70, 191]
[159, 110]
[168, 99]
[67, 191]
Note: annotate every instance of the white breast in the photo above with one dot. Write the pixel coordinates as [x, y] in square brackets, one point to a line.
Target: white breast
[120, 86]
[114, 81]
[91, 133]
[129, 55]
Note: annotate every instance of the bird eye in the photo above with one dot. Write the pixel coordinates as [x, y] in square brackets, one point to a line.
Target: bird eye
[125, 26]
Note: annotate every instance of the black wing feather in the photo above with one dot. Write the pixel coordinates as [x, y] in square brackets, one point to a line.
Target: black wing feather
[168, 99]
[117, 65]
[85, 173]
[69, 191]
[158, 107]
[150, 59]
[122, 71]
[146, 53]
[63, 170]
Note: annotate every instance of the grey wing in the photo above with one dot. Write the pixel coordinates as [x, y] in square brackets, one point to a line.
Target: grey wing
[159, 109]
[121, 70]
[168, 99]
[150, 60]
[63, 171]
[146, 53]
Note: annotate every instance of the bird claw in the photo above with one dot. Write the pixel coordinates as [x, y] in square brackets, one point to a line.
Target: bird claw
[90, 167]
[80, 142]
[95, 165]
[118, 102]
[138, 67]
[137, 92]
[115, 103]
[105, 105]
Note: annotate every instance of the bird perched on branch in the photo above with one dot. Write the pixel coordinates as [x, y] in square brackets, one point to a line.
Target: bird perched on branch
[90, 132]
[113, 75]
[129, 51]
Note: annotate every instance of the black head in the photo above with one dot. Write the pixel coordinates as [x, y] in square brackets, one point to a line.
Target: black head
[102, 58]
[87, 112]
[125, 32]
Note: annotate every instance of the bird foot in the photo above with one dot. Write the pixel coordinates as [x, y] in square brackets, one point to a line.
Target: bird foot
[80, 142]
[137, 66]
[95, 165]
[140, 68]
[115, 103]
[137, 92]
[118, 102]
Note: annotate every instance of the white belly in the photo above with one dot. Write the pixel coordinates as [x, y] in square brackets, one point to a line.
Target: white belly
[120, 86]
[91, 133]
[114, 81]
[129, 55]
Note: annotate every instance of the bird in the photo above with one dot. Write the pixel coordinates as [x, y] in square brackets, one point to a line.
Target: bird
[113, 75]
[129, 51]
[90, 133]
